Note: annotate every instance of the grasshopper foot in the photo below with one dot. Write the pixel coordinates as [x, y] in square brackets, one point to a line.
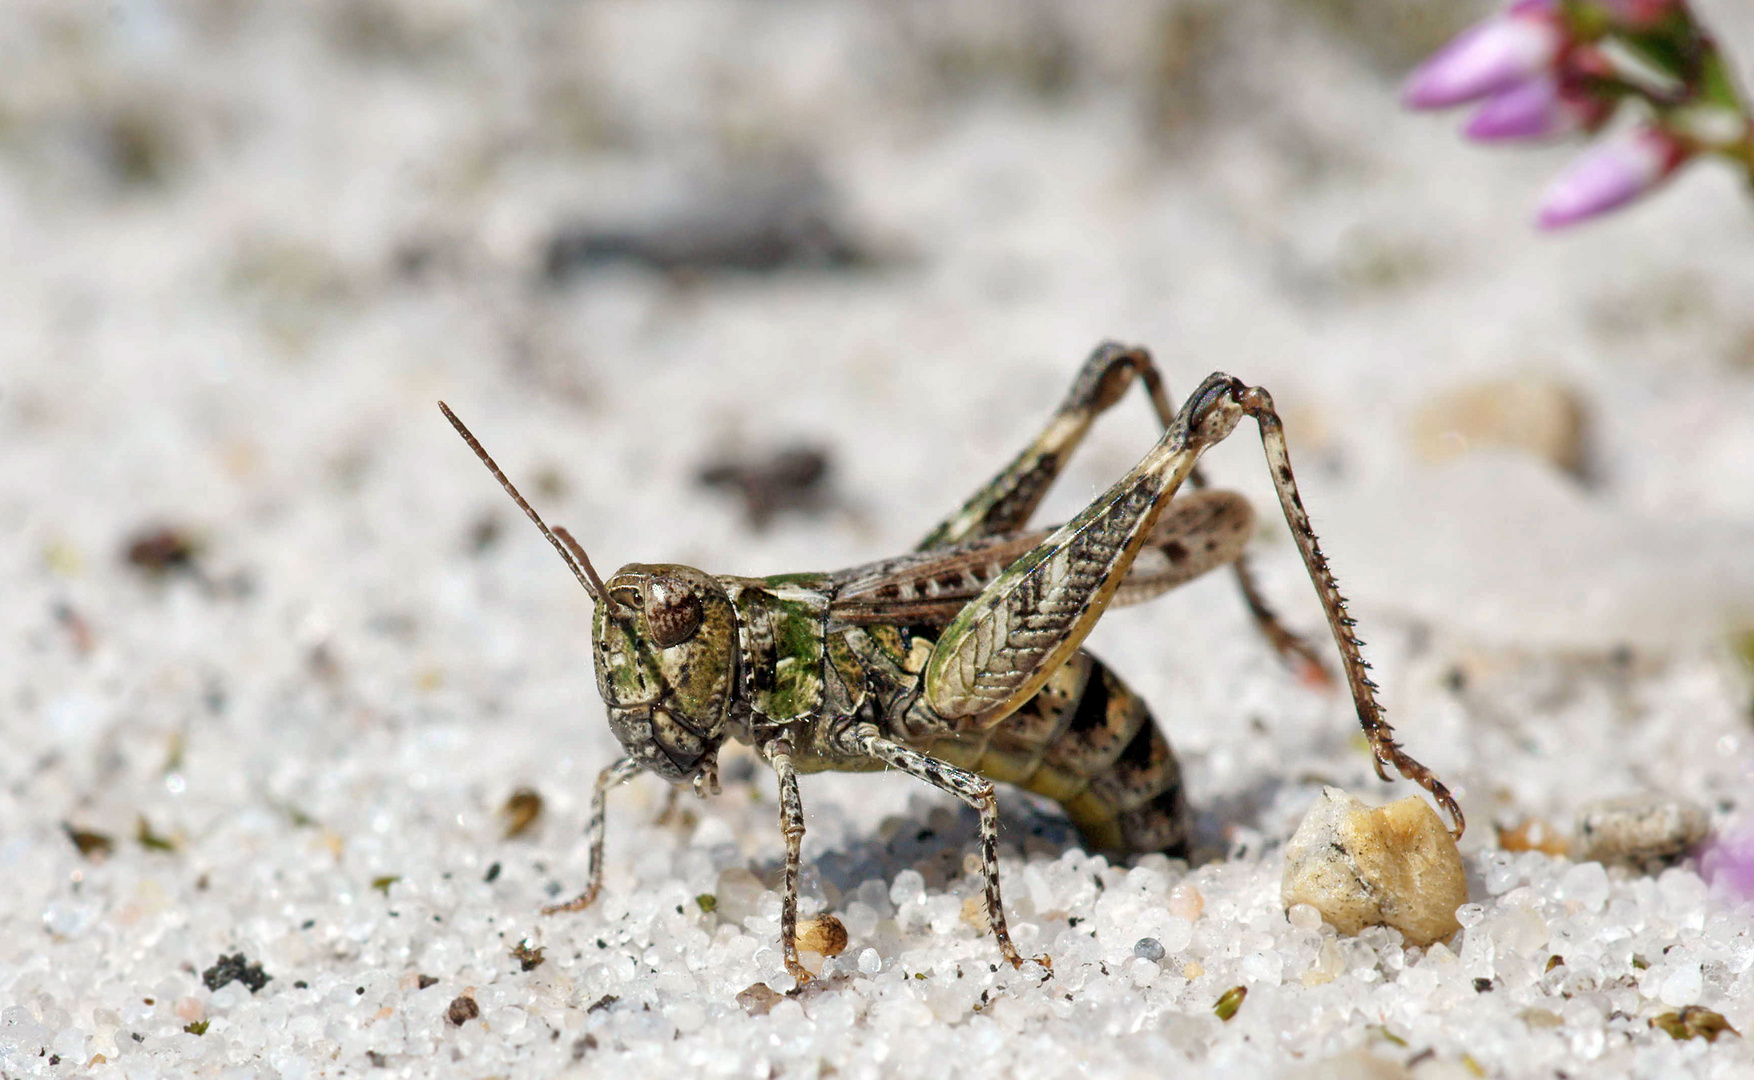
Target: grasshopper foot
[577, 903]
[1046, 962]
[1017, 959]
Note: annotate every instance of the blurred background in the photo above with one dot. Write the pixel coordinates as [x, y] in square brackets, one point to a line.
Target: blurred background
[770, 287]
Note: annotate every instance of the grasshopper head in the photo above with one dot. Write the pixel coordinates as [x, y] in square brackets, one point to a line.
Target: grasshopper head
[665, 638]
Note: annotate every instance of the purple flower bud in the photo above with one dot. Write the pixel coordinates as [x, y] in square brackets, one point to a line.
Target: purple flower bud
[1528, 110]
[1610, 174]
[1729, 860]
[1494, 55]
[1539, 108]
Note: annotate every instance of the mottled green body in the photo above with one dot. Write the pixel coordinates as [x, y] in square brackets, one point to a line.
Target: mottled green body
[1084, 740]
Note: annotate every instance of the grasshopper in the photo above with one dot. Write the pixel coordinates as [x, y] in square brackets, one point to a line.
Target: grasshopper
[959, 663]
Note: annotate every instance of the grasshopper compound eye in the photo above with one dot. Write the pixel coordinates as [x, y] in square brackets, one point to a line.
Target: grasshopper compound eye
[672, 611]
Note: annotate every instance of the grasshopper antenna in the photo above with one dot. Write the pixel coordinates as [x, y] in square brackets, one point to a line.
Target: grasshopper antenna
[576, 559]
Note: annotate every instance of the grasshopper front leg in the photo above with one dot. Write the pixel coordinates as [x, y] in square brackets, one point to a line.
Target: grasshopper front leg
[1005, 644]
[618, 773]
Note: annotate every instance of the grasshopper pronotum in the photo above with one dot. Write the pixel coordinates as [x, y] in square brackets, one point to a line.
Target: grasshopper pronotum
[960, 662]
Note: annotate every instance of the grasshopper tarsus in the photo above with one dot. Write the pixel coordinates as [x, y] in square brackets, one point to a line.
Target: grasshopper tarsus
[961, 662]
[1017, 961]
[577, 903]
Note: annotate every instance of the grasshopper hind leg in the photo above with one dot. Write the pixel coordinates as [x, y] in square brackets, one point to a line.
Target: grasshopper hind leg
[1258, 404]
[1007, 643]
[1007, 501]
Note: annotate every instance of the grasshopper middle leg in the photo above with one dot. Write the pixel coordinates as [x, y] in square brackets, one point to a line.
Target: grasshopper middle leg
[779, 755]
[977, 792]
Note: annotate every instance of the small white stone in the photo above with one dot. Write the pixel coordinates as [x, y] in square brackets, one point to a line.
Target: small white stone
[1586, 883]
[688, 1016]
[1501, 873]
[67, 918]
[1304, 916]
[860, 919]
[908, 886]
[1176, 934]
[1682, 987]
[1683, 892]
[1262, 967]
[869, 962]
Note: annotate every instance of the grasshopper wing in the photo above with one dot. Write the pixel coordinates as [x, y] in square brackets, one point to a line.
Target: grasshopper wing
[1199, 531]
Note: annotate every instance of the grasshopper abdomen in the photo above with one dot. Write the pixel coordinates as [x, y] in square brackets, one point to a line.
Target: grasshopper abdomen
[1089, 743]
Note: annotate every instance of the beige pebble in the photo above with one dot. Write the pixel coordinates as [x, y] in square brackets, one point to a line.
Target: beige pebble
[1185, 902]
[1536, 416]
[1393, 865]
[1540, 1018]
[824, 935]
[1534, 834]
[1645, 832]
[1433, 1068]
[759, 999]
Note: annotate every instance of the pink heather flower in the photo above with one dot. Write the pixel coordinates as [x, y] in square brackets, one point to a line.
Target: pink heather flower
[1494, 55]
[1610, 174]
[1538, 108]
[1528, 110]
[1729, 860]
